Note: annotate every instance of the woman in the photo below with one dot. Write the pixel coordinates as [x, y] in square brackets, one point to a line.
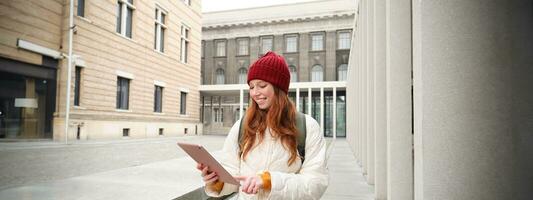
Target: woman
[266, 161]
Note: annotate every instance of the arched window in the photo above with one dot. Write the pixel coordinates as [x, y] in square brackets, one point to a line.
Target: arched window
[294, 73]
[220, 79]
[317, 73]
[342, 72]
[242, 75]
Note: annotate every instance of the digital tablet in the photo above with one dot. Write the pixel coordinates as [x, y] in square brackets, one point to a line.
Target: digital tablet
[200, 155]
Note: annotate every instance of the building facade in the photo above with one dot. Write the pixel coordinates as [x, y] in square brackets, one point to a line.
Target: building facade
[314, 37]
[135, 71]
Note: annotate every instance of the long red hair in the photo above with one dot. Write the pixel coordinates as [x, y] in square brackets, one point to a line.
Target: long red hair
[280, 117]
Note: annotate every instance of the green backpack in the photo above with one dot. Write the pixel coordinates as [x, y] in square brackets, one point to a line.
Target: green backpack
[300, 126]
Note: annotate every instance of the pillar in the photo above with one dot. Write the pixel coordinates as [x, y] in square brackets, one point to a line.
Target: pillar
[369, 106]
[380, 101]
[398, 72]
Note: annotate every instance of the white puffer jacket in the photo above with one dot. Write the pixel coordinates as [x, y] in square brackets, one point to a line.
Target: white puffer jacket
[297, 181]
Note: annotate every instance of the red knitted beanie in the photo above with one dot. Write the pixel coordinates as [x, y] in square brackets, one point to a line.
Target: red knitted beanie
[271, 68]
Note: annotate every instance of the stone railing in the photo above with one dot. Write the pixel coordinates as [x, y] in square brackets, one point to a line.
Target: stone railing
[199, 194]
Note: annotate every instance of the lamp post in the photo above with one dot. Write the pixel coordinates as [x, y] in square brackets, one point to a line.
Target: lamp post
[69, 67]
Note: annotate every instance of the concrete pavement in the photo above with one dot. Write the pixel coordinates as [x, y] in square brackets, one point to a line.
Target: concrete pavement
[26, 163]
[171, 178]
[346, 180]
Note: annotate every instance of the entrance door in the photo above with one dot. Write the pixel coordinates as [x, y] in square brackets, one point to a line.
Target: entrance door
[26, 107]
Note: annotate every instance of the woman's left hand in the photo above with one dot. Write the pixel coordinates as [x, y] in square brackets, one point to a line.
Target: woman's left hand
[250, 184]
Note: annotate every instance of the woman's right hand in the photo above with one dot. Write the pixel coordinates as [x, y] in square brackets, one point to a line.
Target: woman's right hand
[208, 177]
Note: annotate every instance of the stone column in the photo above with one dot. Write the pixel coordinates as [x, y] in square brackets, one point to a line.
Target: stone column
[351, 134]
[334, 113]
[360, 55]
[370, 92]
[364, 86]
[298, 99]
[241, 102]
[380, 101]
[309, 105]
[322, 110]
[211, 119]
[473, 113]
[399, 130]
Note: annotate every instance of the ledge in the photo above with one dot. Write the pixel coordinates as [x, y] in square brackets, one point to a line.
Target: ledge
[199, 194]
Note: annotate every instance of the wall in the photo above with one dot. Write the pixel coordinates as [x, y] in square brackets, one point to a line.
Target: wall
[35, 21]
[106, 52]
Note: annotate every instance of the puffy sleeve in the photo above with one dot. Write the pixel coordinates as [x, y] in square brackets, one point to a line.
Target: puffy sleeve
[229, 160]
[312, 179]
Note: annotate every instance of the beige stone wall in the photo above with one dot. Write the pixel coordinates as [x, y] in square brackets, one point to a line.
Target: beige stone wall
[103, 129]
[35, 21]
[105, 52]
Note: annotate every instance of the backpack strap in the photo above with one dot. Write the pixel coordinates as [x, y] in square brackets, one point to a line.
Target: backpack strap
[300, 126]
[241, 132]
[302, 134]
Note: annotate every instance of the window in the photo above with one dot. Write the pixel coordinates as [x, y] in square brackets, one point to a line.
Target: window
[343, 40]
[81, 8]
[158, 99]
[221, 48]
[161, 131]
[123, 92]
[243, 75]
[124, 17]
[316, 73]
[125, 132]
[291, 43]
[242, 46]
[183, 103]
[77, 85]
[266, 44]
[219, 114]
[160, 27]
[317, 42]
[294, 73]
[342, 72]
[184, 43]
[203, 48]
[220, 79]
[188, 2]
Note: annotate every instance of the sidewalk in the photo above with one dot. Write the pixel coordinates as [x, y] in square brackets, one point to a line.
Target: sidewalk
[27, 163]
[346, 180]
[172, 178]
[158, 180]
